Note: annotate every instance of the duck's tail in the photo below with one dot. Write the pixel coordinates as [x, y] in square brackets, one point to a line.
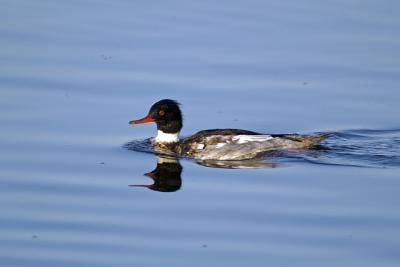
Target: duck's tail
[316, 139]
[303, 141]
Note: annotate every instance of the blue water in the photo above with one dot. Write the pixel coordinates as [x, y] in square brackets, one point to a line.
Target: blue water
[72, 74]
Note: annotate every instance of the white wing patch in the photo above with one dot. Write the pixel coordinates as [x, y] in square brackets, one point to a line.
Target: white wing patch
[220, 145]
[200, 146]
[242, 138]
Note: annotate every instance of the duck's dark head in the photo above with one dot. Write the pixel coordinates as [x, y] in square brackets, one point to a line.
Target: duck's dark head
[168, 117]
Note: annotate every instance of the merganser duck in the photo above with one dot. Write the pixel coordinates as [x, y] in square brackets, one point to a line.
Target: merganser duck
[216, 144]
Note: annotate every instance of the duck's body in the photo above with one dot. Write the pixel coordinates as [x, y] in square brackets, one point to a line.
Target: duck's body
[216, 144]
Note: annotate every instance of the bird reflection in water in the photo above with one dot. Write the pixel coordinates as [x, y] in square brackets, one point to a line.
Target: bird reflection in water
[167, 174]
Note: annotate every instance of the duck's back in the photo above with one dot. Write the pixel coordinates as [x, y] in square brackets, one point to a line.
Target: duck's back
[237, 144]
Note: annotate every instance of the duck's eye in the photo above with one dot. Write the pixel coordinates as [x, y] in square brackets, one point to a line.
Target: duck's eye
[161, 113]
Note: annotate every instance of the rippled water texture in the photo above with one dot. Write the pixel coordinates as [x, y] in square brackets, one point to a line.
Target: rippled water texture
[73, 73]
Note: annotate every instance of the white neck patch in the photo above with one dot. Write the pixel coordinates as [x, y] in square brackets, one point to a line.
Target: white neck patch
[166, 137]
[162, 160]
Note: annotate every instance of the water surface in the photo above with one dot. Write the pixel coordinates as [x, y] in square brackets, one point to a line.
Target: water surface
[73, 74]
